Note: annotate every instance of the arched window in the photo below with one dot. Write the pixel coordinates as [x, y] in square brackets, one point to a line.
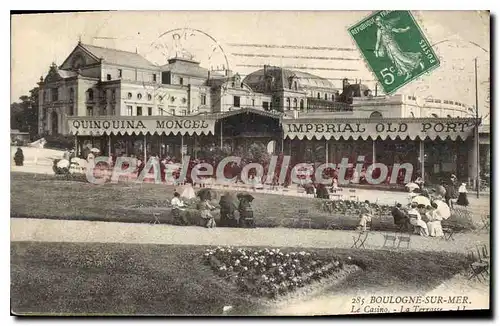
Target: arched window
[295, 86]
[302, 104]
[295, 103]
[376, 114]
[288, 103]
[326, 97]
[319, 95]
[91, 94]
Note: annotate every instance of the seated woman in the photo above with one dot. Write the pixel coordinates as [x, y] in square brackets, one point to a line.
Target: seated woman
[365, 216]
[227, 210]
[434, 221]
[207, 218]
[416, 220]
[246, 213]
[178, 210]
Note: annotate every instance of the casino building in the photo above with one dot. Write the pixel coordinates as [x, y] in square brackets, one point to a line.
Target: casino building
[121, 103]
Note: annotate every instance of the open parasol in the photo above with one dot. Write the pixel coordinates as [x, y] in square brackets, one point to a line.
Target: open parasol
[421, 200]
[95, 150]
[245, 195]
[411, 186]
[63, 164]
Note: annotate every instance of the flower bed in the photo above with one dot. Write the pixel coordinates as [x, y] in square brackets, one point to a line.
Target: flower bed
[270, 272]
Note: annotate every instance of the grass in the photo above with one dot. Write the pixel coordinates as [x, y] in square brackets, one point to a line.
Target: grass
[46, 196]
[77, 278]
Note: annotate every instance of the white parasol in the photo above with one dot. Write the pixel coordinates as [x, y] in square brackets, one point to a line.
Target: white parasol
[412, 186]
[95, 150]
[188, 192]
[443, 209]
[421, 200]
[63, 164]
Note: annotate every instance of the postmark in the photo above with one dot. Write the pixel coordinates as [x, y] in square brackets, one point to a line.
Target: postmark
[187, 44]
[394, 47]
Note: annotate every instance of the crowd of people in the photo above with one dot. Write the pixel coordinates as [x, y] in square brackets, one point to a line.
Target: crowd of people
[233, 213]
[424, 220]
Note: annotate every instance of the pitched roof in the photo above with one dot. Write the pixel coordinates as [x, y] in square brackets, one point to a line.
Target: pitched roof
[119, 57]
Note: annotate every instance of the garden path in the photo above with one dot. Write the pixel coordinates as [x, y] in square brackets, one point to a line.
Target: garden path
[25, 229]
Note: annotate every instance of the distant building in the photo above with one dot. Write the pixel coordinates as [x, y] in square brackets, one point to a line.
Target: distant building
[121, 102]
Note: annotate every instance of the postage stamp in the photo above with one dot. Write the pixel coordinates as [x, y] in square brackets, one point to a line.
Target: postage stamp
[394, 47]
[234, 167]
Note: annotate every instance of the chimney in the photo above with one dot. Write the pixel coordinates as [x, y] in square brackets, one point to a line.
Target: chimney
[345, 83]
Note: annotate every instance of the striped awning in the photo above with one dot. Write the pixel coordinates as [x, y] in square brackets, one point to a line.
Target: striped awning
[186, 125]
[421, 128]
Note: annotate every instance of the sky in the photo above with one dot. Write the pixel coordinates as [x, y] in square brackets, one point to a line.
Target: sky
[313, 41]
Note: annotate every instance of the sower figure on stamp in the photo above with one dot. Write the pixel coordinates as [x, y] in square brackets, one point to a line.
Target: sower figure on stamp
[405, 62]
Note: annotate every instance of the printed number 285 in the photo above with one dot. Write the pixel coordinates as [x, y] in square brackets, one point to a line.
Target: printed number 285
[388, 75]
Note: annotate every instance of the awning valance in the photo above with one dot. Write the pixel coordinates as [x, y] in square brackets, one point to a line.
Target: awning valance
[383, 129]
[84, 126]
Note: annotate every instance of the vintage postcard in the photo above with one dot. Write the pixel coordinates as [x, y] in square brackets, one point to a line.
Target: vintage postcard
[250, 163]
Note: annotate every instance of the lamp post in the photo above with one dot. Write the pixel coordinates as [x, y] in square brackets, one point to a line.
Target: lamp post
[477, 122]
[476, 113]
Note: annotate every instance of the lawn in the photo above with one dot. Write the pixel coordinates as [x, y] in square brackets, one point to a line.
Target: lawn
[44, 196]
[76, 278]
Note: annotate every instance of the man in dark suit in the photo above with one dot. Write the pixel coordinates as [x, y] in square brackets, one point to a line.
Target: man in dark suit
[400, 216]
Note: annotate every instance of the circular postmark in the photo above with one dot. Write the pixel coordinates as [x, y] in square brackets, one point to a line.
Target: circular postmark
[188, 45]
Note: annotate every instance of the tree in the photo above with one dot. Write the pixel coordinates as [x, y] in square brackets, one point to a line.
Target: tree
[24, 114]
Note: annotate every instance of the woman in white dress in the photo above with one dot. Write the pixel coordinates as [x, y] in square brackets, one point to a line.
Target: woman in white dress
[434, 223]
[416, 221]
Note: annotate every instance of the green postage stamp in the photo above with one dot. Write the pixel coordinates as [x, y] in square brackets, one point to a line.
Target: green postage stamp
[394, 47]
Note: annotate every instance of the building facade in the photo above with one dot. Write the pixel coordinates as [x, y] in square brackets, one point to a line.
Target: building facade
[126, 105]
